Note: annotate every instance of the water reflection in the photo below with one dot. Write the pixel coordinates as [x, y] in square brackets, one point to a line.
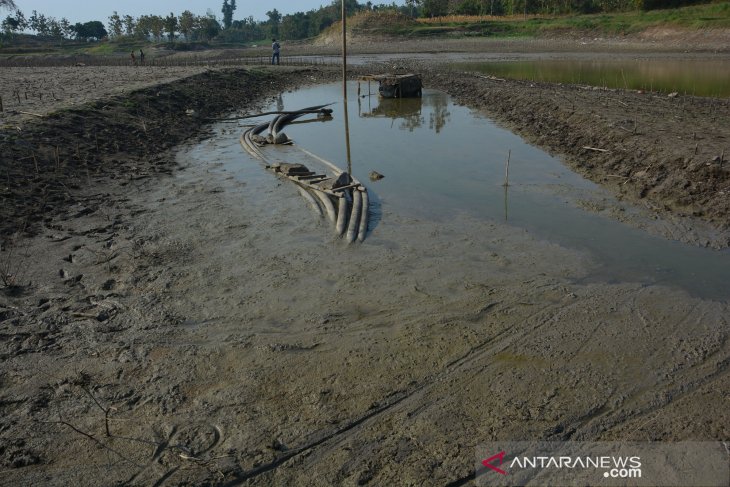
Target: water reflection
[692, 77]
[407, 109]
[440, 113]
[346, 118]
[506, 203]
[409, 112]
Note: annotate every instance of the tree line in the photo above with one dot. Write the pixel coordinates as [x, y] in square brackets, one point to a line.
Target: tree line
[190, 27]
[50, 27]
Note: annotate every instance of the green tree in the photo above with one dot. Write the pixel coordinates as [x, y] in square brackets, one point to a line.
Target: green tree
[413, 6]
[274, 21]
[468, 7]
[9, 4]
[207, 28]
[186, 23]
[66, 27]
[295, 26]
[171, 26]
[244, 30]
[129, 25]
[157, 26]
[18, 23]
[435, 8]
[56, 29]
[351, 6]
[115, 25]
[143, 27]
[89, 30]
[227, 10]
[38, 23]
[10, 25]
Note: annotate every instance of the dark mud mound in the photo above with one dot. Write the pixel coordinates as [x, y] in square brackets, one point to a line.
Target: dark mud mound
[45, 164]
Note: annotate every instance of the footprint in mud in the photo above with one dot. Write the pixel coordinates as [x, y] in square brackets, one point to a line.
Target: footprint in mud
[191, 441]
[195, 440]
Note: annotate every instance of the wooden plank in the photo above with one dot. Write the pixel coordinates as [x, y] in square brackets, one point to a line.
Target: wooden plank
[311, 176]
[342, 188]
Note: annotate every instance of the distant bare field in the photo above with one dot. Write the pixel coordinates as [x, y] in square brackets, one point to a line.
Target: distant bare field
[27, 92]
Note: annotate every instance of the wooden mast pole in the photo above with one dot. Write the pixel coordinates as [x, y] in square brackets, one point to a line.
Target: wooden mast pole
[344, 86]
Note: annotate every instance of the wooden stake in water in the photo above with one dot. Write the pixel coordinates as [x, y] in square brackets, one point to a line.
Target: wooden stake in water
[506, 169]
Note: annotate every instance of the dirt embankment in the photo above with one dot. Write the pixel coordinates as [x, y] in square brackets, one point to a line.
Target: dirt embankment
[669, 153]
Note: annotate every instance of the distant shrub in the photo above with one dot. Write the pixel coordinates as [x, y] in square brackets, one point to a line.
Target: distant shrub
[662, 4]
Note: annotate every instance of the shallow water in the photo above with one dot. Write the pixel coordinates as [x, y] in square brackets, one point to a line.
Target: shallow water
[441, 160]
[701, 77]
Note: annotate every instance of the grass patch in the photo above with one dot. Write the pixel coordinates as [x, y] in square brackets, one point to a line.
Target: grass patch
[101, 49]
[709, 16]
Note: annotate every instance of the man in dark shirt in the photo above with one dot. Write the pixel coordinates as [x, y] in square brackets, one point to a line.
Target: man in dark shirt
[275, 48]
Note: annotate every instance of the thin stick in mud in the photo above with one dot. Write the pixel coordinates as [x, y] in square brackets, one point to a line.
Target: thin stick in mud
[506, 169]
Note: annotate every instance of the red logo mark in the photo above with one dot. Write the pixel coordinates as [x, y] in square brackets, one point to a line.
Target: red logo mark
[488, 462]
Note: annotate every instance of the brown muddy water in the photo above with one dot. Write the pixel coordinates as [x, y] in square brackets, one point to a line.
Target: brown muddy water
[699, 77]
[442, 161]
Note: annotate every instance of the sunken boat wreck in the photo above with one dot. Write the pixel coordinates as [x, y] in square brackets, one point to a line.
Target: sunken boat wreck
[331, 192]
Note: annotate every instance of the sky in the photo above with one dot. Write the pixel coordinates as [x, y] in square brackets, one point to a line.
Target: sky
[86, 10]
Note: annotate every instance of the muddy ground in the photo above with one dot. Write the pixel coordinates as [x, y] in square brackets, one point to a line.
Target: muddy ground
[165, 323]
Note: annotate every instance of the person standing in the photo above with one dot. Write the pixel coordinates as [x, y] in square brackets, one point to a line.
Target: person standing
[275, 47]
[141, 57]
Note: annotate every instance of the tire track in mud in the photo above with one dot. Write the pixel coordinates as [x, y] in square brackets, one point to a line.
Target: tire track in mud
[475, 362]
[663, 396]
[583, 428]
[670, 396]
[399, 400]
